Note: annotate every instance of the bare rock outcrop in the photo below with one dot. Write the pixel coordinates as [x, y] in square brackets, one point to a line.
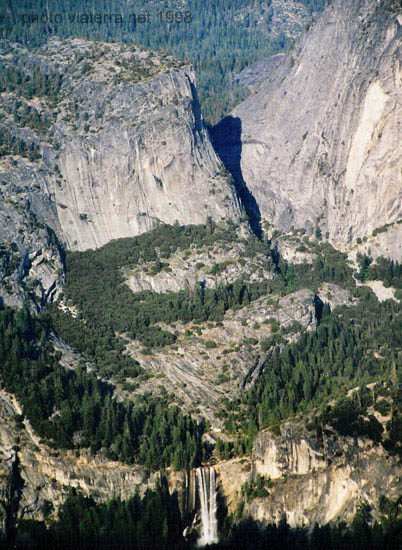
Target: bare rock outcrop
[49, 474]
[209, 266]
[314, 478]
[31, 259]
[208, 363]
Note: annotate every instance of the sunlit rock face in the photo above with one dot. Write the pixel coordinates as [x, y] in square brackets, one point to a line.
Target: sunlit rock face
[319, 145]
[147, 160]
[129, 148]
[109, 142]
[315, 478]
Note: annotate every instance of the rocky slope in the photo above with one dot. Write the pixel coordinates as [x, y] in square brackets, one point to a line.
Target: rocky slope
[318, 146]
[209, 266]
[120, 147]
[31, 260]
[211, 362]
[214, 361]
[254, 75]
[49, 474]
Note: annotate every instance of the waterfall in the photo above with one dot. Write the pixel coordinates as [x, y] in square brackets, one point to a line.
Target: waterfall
[207, 493]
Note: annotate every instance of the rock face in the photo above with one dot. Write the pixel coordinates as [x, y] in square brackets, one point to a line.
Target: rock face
[98, 141]
[314, 478]
[145, 159]
[211, 268]
[121, 147]
[212, 361]
[31, 260]
[318, 147]
[325, 475]
[125, 147]
[49, 474]
[255, 74]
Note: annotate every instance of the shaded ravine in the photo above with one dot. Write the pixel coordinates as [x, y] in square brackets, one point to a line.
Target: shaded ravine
[227, 142]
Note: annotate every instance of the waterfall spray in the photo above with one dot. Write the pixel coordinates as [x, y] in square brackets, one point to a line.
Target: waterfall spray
[207, 492]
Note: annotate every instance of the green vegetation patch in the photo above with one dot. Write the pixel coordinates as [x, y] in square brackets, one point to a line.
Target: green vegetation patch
[73, 408]
[383, 269]
[30, 83]
[351, 347]
[14, 145]
[218, 38]
[95, 283]
[259, 488]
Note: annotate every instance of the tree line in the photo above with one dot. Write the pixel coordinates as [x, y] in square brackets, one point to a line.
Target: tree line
[154, 521]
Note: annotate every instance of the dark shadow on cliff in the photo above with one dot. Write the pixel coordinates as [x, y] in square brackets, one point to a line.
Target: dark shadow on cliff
[226, 139]
[318, 306]
[196, 108]
[222, 513]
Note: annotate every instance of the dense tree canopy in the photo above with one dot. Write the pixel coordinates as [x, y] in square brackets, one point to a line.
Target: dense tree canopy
[218, 38]
[73, 408]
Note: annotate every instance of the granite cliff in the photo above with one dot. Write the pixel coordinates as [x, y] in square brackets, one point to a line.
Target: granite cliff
[98, 141]
[318, 146]
[312, 477]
